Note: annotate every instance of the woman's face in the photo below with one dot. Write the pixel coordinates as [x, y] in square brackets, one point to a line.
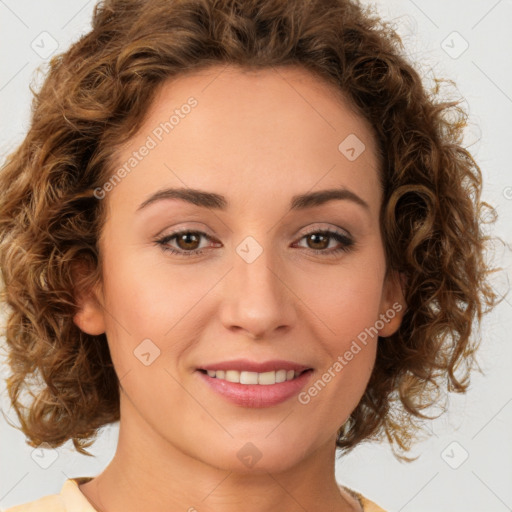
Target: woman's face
[256, 280]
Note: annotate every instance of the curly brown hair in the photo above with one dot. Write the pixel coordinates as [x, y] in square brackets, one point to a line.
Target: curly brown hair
[94, 99]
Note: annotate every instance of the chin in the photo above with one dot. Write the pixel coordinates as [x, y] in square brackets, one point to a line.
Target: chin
[256, 456]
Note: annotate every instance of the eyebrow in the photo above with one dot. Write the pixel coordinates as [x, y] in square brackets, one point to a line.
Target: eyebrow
[219, 202]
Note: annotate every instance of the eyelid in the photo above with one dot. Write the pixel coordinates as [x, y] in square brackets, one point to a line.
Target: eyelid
[330, 228]
[184, 226]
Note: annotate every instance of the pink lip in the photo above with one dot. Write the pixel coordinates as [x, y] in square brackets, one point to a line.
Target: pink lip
[256, 395]
[253, 366]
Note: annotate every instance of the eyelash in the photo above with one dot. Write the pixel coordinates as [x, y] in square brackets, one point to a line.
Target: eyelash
[347, 243]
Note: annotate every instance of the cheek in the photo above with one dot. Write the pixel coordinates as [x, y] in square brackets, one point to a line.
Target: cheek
[345, 305]
[344, 299]
[348, 309]
[148, 301]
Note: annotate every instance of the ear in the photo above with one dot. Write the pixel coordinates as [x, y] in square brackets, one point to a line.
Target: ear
[90, 317]
[393, 306]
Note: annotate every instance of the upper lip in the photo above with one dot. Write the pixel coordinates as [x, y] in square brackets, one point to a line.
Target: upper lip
[254, 366]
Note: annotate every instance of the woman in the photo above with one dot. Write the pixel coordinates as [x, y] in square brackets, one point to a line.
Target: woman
[247, 232]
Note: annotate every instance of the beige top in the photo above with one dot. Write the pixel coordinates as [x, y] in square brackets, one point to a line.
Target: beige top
[71, 499]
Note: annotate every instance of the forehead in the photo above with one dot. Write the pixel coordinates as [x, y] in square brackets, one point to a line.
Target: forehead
[251, 132]
[259, 98]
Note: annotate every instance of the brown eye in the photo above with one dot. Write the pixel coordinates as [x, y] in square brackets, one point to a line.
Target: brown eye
[188, 240]
[183, 243]
[319, 241]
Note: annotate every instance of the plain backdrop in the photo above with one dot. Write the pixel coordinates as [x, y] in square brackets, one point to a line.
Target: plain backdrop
[466, 463]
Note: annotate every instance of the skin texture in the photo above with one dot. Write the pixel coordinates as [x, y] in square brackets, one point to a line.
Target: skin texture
[258, 138]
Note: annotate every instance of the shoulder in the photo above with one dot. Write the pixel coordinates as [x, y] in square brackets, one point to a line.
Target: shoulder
[51, 503]
[70, 499]
[366, 504]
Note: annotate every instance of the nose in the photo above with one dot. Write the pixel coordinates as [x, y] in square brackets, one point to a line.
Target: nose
[257, 295]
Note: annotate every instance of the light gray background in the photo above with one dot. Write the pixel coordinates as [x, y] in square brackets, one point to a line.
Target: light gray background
[480, 423]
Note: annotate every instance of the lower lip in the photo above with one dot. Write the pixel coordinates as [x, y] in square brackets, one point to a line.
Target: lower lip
[257, 395]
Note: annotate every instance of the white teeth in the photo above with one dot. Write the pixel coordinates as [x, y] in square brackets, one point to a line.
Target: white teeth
[232, 376]
[267, 378]
[243, 377]
[280, 376]
[248, 378]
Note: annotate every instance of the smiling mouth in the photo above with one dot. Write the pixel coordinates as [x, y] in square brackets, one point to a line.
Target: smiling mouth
[246, 377]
